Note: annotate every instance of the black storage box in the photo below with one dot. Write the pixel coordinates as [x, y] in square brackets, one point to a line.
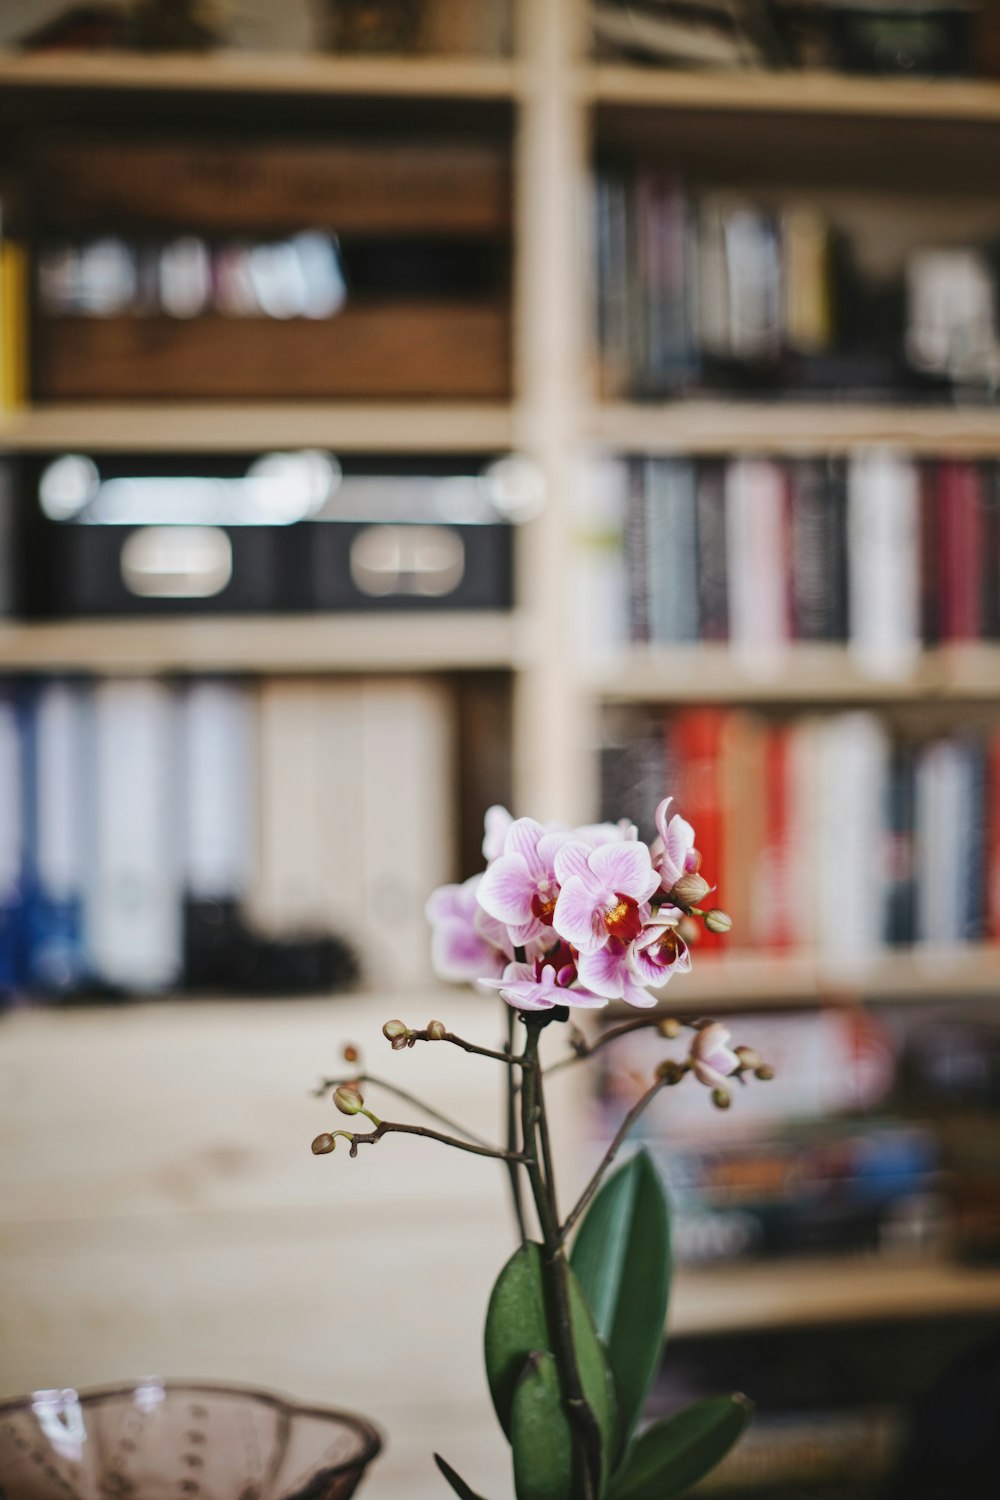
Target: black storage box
[165, 535]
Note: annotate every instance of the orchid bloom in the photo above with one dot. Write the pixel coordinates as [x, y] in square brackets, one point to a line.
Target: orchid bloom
[610, 972]
[465, 942]
[659, 953]
[673, 852]
[604, 893]
[495, 825]
[712, 1059]
[520, 887]
[539, 986]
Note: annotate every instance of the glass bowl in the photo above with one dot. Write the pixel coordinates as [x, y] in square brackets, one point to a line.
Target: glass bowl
[170, 1440]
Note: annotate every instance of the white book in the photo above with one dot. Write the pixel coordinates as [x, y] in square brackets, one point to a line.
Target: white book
[599, 560]
[409, 768]
[801, 879]
[219, 789]
[757, 563]
[133, 916]
[60, 853]
[851, 810]
[941, 800]
[883, 553]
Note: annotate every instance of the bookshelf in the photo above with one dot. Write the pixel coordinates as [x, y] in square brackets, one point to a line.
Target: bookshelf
[560, 105]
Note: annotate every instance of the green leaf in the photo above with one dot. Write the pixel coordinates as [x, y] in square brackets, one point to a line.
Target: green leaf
[622, 1260]
[672, 1455]
[516, 1326]
[540, 1434]
[457, 1483]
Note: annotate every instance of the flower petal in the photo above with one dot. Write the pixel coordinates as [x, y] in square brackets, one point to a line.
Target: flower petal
[506, 890]
[626, 868]
[574, 917]
[495, 826]
[522, 839]
[460, 954]
[572, 860]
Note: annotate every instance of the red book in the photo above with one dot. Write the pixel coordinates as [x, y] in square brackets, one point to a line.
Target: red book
[960, 551]
[694, 739]
[774, 896]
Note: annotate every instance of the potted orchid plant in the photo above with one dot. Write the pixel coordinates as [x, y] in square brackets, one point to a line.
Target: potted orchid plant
[565, 919]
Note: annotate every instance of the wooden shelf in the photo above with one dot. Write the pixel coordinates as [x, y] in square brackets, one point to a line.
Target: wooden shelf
[751, 981]
[810, 93]
[789, 1293]
[803, 673]
[284, 643]
[383, 427]
[262, 73]
[789, 428]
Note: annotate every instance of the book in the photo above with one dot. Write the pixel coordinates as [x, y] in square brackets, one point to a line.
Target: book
[757, 554]
[671, 542]
[56, 795]
[818, 551]
[853, 788]
[713, 598]
[12, 840]
[133, 897]
[694, 740]
[883, 549]
[960, 553]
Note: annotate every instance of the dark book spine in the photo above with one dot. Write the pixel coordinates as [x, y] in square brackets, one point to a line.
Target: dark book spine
[713, 597]
[818, 546]
[636, 552]
[671, 540]
[901, 889]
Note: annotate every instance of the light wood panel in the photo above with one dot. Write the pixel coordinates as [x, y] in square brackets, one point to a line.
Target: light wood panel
[351, 643]
[261, 73]
[791, 428]
[747, 981]
[803, 673]
[194, 427]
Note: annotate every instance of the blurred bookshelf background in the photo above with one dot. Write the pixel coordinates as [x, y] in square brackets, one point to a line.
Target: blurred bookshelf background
[406, 408]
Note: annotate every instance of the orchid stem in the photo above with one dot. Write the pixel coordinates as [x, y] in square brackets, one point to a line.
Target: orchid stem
[516, 1194]
[407, 1098]
[457, 1041]
[390, 1127]
[637, 1109]
[585, 1431]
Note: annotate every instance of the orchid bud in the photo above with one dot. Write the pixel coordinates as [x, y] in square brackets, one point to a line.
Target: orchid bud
[323, 1145]
[436, 1031]
[691, 888]
[749, 1057]
[348, 1100]
[718, 920]
[396, 1032]
[721, 1099]
[765, 1073]
[351, 1053]
[689, 928]
[669, 1027]
[670, 1072]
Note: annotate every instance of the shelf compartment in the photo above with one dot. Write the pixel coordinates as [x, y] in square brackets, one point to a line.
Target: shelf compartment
[804, 673]
[295, 644]
[751, 981]
[783, 1294]
[234, 72]
[716, 428]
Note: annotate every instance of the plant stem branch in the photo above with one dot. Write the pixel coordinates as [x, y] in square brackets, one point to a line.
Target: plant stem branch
[555, 1272]
[638, 1107]
[407, 1098]
[457, 1041]
[584, 1049]
[391, 1127]
[516, 1195]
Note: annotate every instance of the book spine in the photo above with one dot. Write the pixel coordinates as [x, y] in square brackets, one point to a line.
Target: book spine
[713, 598]
[884, 564]
[960, 550]
[672, 542]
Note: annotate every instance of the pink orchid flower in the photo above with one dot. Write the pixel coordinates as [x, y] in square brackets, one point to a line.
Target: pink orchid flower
[605, 833]
[658, 953]
[673, 852]
[466, 944]
[609, 972]
[712, 1059]
[520, 887]
[539, 986]
[604, 893]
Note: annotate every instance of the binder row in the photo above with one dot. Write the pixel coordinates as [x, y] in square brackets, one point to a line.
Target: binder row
[219, 834]
[878, 551]
[837, 834]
